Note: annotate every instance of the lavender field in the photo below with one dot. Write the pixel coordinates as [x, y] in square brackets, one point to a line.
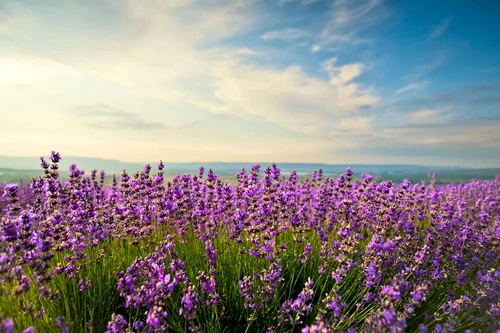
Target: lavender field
[269, 254]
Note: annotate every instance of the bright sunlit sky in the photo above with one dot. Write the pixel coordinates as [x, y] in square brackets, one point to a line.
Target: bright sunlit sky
[340, 81]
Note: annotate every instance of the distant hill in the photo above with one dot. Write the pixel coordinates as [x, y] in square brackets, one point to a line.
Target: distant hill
[13, 175]
[14, 168]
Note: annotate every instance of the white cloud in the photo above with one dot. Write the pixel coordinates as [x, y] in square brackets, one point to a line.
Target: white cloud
[441, 28]
[309, 2]
[342, 74]
[426, 68]
[291, 98]
[32, 70]
[358, 125]
[430, 116]
[344, 14]
[245, 51]
[315, 48]
[477, 136]
[490, 70]
[288, 34]
[348, 19]
[413, 87]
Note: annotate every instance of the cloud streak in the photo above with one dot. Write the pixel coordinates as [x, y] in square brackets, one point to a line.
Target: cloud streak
[426, 68]
[347, 20]
[430, 117]
[102, 116]
[439, 30]
[309, 2]
[288, 34]
[478, 136]
[483, 94]
[413, 87]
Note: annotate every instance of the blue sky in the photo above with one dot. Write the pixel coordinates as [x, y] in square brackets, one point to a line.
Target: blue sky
[288, 80]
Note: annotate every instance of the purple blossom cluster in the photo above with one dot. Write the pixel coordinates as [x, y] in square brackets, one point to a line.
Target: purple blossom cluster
[292, 310]
[384, 258]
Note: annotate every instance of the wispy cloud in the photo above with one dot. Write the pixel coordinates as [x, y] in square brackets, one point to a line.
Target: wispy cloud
[413, 87]
[490, 70]
[106, 117]
[288, 34]
[468, 95]
[309, 2]
[485, 100]
[472, 137]
[358, 125]
[426, 68]
[284, 2]
[430, 116]
[439, 30]
[303, 2]
[32, 70]
[191, 124]
[347, 20]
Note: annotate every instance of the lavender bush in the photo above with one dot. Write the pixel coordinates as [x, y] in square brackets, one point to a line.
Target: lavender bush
[270, 254]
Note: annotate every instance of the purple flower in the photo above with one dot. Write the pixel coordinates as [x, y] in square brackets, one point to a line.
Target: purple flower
[307, 253]
[188, 305]
[60, 321]
[3, 258]
[7, 326]
[292, 310]
[390, 291]
[84, 285]
[348, 172]
[366, 177]
[422, 328]
[11, 190]
[118, 324]
[55, 157]
[156, 317]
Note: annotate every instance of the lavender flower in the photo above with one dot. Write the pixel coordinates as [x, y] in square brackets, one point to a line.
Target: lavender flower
[380, 253]
[292, 310]
[118, 324]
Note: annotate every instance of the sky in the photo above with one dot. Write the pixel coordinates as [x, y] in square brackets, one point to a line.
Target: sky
[374, 81]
